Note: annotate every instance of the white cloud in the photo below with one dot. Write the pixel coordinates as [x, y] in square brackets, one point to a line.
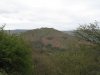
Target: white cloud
[60, 14]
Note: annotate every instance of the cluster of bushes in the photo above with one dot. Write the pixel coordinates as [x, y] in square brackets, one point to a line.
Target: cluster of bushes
[15, 56]
[83, 61]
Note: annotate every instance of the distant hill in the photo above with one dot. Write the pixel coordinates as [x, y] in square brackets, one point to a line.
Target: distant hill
[17, 31]
[24, 30]
[48, 38]
[69, 32]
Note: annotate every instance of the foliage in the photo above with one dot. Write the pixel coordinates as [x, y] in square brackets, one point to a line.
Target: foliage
[84, 60]
[15, 56]
[89, 32]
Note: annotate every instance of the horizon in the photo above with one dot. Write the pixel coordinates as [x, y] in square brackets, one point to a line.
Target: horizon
[35, 28]
[58, 14]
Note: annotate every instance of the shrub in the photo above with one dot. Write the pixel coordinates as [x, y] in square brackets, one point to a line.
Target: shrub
[15, 56]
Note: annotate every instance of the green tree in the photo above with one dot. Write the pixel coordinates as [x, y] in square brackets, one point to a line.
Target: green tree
[15, 56]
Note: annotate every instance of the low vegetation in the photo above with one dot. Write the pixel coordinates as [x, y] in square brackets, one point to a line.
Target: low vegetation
[53, 52]
[15, 56]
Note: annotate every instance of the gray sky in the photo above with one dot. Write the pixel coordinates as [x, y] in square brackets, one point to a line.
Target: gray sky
[59, 14]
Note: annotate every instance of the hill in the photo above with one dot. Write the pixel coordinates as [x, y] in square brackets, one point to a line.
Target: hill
[48, 38]
[59, 53]
[69, 32]
[17, 31]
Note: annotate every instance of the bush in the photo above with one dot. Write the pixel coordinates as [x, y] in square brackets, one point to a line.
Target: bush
[15, 57]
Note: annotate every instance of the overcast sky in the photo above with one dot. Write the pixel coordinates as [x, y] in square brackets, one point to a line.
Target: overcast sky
[59, 14]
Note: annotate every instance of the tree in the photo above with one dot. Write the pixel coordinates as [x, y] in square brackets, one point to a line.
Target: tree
[15, 56]
[90, 32]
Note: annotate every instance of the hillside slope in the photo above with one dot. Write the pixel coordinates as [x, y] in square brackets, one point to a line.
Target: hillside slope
[49, 38]
[57, 53]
